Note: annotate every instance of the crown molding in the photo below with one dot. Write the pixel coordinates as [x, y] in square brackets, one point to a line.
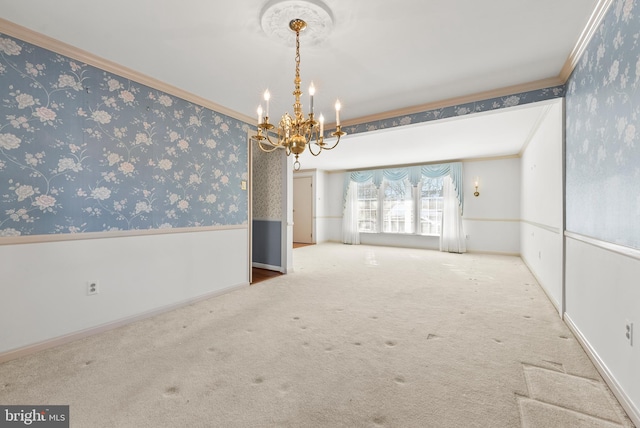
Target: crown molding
[480, 96]
[583, 41]
[61, 48]
[11, 29]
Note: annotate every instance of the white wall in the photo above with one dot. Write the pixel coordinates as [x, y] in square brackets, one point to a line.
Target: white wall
[329, 218]
[319, 208]
[319, 184]
[492, 220]
[602, 295]
[541, 203]
[44, 285]
[328, 208]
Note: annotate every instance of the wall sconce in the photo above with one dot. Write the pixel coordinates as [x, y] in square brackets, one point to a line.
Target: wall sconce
[476, 193]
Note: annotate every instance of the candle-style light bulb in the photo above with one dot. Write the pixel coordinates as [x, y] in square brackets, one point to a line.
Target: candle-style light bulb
[312, 92]
[259, 114]
[321, 125]
[267, 96]
[338, 106]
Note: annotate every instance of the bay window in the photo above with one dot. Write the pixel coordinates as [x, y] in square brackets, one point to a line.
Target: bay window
[414, 200]
[399, 207]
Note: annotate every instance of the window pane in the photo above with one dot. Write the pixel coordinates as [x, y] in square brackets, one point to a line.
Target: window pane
[367, 207]
[431, 206]
[397, 207]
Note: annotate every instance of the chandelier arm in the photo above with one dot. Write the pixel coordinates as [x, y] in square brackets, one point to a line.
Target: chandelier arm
[267, 149]
[307, 131]
[332, 147]
[338, 134]
[319, 149]
[266, 134]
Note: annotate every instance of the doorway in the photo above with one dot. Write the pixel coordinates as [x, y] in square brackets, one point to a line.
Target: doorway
[303, 210]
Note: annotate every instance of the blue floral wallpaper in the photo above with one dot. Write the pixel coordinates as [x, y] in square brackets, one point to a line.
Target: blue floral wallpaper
[603, 131]
[268, 172]
[459, 110]
[82, 150]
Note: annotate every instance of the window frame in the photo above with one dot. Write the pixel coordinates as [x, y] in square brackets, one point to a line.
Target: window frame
[386, 222]
[416, 201]
[439, 201]
[377, 209]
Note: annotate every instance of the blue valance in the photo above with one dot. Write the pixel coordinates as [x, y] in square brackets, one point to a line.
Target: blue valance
[413, 173]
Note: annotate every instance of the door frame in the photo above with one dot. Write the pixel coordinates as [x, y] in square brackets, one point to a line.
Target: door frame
[287, 214]
[314, 196]
[286, 219]
[250, 206]
[311, 220]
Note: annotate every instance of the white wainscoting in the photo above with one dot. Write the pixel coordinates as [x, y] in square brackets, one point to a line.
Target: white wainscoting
[541, 250]
[602, 294]
[44, 285]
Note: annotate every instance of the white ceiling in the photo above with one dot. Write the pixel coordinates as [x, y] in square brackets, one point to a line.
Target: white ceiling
[380, 56]
[483, 135]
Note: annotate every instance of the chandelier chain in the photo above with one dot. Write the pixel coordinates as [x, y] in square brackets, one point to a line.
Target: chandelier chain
[297, 107]
[297, 54]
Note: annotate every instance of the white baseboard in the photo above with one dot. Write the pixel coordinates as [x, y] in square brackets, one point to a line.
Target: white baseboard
[627, 404]
[77, 335]
[493, 253]
[551, 299]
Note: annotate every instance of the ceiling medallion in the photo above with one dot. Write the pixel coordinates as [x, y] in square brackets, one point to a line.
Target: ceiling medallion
[316, 14]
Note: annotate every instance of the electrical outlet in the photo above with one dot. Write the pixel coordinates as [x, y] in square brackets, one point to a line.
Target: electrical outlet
[629, 332]
[92, 287]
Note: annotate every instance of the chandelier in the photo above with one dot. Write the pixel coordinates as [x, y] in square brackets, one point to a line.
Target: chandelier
[295, 133]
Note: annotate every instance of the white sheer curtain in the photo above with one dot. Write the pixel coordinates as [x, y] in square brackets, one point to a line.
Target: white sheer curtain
[452, 237]
[350, 234]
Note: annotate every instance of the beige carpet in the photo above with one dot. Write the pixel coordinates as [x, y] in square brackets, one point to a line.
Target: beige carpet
[358, 336]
